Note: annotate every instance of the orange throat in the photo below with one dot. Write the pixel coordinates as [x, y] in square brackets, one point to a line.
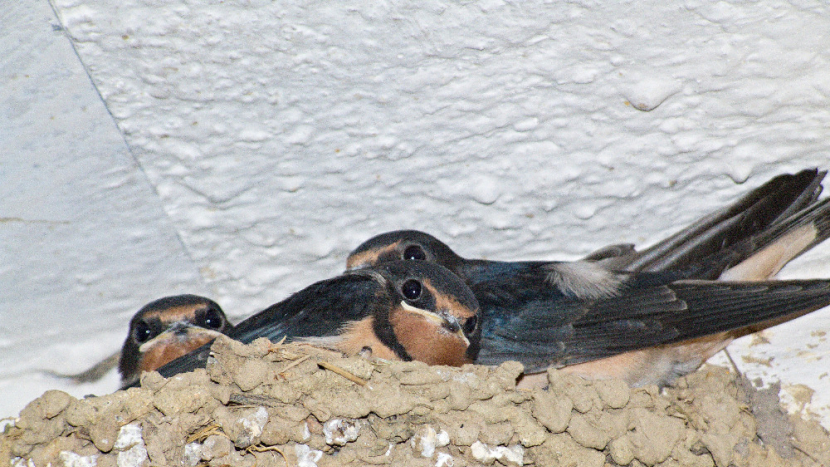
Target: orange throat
[169, 350]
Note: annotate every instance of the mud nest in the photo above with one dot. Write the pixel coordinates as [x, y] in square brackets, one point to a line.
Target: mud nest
[265, 404]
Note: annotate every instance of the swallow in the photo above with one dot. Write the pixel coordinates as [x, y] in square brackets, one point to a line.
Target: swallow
[166, 329]
[399, 310]
[645, 317]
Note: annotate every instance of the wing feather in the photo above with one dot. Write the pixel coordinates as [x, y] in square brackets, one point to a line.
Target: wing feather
[319, 310]
[551, 328]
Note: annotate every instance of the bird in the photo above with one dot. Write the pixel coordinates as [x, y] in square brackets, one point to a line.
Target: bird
[166, 329]
[399, 310]
[646, 317]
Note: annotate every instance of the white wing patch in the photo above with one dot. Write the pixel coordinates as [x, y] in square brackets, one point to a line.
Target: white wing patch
[584, 280]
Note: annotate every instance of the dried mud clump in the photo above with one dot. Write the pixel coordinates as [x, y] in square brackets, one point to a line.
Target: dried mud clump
[265, 404]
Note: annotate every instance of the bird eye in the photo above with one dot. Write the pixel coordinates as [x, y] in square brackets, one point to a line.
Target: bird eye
[143, 333]
[411, 289]
[470, 325]
[211, 319]
[414, 252]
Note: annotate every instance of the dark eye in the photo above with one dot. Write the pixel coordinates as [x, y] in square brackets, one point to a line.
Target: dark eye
[411, 289]
[212, 319]
[470, 325]
[415, 253]
[143, 333]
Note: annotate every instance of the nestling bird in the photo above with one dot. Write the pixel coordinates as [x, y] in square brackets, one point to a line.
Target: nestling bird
[399, 310]
[166, 329]
[645, 317]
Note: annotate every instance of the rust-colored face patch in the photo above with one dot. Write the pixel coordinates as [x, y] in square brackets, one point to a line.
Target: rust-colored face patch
[359, 334]
[177, 313]
[167, 347]
[448, 303]
[370, 257]
[427, 342]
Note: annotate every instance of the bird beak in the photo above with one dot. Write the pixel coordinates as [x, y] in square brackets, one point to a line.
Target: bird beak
[439, 320]
[177, 333]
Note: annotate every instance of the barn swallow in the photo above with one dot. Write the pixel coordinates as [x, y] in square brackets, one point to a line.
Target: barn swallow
[644, 317]
[166, 329]
[399, 310]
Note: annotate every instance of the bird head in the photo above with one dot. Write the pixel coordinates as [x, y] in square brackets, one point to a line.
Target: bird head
[407, 245]
[434, 315]
[168, 328]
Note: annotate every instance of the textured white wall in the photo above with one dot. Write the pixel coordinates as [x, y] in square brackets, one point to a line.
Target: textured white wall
[264, 140]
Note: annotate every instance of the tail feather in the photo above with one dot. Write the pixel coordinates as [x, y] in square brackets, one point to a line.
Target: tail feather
[761, 256]
[735, 305]
[782, 197]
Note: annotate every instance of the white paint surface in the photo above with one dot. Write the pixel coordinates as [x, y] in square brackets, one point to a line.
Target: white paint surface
[242, 148]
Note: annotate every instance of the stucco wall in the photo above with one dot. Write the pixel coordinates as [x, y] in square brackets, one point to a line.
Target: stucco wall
[240, 149]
